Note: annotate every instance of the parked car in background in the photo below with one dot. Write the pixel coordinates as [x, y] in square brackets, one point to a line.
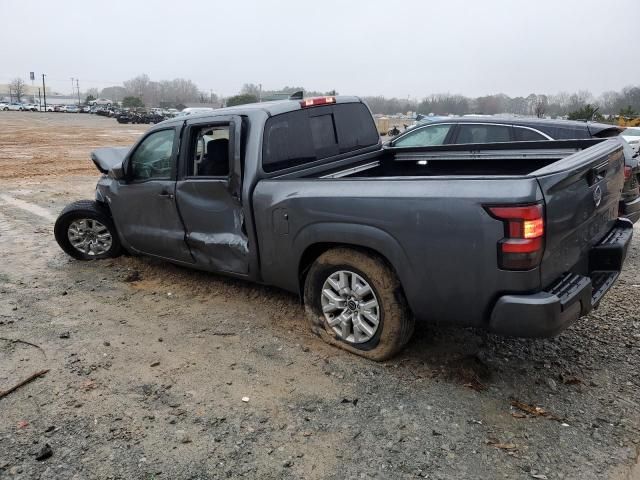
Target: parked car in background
[4, 106]
[459, 130]
[101, 102]
[72, 109]
[470, 130]
[32, 107]
[632, 136]
[16, 107]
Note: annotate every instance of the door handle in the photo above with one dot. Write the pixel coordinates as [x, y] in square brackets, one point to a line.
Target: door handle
[167, 195]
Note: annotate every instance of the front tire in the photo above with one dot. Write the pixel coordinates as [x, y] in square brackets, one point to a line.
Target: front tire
[354, 301]
[85, 230]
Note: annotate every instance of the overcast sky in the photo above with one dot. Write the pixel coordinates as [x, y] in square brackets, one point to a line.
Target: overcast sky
[393, 48]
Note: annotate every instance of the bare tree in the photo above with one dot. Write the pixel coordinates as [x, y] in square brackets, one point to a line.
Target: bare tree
[540, 105]
[17, 85]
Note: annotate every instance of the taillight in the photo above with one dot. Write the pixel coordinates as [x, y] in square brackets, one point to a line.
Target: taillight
[523, 242]
[312, 102]
[627, 172]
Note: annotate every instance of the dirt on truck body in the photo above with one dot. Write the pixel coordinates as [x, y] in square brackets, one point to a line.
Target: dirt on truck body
[149, 363]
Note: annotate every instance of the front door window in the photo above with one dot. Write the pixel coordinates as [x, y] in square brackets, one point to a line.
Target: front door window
[153, 157]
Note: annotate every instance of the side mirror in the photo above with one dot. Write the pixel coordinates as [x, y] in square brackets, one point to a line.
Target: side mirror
[117, 172]
[387, 144]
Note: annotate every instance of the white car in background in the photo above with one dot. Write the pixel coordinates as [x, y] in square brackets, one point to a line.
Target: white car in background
[632, 136]
[16, 107]
[4, 106]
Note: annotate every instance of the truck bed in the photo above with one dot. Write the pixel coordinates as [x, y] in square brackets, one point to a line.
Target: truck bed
[509, 158]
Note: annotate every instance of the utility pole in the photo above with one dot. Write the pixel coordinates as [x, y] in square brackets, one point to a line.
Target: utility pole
[260, 93]
[39, 99]
[78, 87]
[44, 92]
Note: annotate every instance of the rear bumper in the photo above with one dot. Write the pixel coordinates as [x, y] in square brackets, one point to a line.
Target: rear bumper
[547, 313]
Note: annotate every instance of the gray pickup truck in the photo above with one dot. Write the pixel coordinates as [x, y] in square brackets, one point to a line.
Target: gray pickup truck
[300, 194]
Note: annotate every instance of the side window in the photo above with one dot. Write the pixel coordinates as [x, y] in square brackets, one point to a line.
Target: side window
[424, 136]
[209, 152]
[480, 133]
[153, 159]
[527, 135]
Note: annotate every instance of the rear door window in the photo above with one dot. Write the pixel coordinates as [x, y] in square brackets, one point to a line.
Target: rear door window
[424, 136]
[527, 135]
[483, 133]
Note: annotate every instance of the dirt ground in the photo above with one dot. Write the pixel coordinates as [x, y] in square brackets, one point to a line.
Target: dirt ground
[148, 365]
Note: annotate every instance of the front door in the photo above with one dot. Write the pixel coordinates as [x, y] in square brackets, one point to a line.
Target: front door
[144, 205]
[208, 194]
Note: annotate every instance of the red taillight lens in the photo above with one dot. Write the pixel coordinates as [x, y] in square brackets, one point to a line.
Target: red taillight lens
[522, 246]
[627, 172]
[312, 102]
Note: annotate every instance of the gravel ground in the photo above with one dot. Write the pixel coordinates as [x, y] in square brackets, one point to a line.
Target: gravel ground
[158, 372]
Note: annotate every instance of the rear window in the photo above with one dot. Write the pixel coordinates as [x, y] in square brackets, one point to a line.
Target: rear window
[312, 134]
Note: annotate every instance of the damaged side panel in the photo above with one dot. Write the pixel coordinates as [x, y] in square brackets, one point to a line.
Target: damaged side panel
[214, 222]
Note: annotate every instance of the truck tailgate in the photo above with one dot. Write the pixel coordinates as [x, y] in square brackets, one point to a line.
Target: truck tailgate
[582, 194]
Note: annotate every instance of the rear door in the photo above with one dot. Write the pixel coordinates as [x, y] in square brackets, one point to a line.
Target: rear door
[208, 193]
[581, 194]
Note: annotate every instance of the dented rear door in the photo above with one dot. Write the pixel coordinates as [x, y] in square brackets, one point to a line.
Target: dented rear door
[210, 203]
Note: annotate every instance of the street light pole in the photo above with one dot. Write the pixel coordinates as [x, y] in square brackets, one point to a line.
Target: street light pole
[44, 92]
[78, 87]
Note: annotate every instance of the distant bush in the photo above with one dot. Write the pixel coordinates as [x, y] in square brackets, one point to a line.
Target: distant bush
[132, 102]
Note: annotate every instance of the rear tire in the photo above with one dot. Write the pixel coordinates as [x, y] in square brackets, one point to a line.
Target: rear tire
[85, 230]
[374, 325]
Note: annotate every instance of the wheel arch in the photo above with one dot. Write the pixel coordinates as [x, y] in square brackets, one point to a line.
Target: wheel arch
[318, 238]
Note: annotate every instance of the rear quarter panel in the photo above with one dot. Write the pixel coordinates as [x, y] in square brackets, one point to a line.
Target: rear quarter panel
[435, 233]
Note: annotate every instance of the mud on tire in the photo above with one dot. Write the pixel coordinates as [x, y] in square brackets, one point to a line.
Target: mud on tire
[395, 323]
[93, 212]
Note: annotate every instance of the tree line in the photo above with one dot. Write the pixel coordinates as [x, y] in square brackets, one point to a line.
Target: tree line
[625, 102]
[142, 91]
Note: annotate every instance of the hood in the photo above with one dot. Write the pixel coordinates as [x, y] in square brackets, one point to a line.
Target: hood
[108, 157]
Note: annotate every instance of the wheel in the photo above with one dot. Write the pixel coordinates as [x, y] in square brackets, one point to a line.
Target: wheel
[85, 231]
[354, 300]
